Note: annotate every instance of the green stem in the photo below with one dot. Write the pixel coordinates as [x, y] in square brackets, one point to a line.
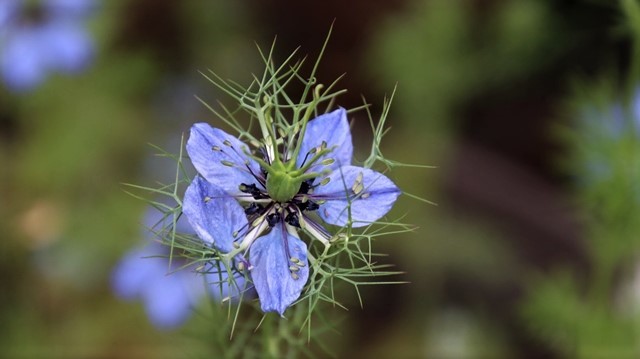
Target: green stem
[305, 119]
[270, 336]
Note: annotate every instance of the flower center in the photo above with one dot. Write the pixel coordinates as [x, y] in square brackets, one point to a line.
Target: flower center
[281, 185]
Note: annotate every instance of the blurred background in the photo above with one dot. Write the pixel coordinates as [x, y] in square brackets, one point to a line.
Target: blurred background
[528, 108]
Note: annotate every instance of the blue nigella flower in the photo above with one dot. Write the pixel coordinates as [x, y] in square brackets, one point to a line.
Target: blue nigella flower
[254, 207]
[38, 38]
[168, 292]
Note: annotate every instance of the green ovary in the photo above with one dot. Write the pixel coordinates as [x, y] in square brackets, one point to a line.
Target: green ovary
[282, 187]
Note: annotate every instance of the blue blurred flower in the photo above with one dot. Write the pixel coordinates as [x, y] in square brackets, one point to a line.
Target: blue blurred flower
[39, 38]
[236, 205]
[168, 297]
[168, 293]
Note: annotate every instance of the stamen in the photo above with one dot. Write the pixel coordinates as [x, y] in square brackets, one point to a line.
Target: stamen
[265, 156]
[257, 221]
[258, 226]
[254, 143]
[246, 161]
[259, 179]
[253, 190]
[233, 162]
[327, 161]
[358, 185]
[243, 264]
[292, 219]
[305, 186]
[315, 230]
[312, 206]
[305, 204]
[245, 229]
[253, 208]
[311, 152]
[273, 219]
[294, 261]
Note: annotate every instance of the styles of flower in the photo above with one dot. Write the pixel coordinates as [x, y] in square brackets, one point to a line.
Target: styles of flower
[37, 38]
[252, 206]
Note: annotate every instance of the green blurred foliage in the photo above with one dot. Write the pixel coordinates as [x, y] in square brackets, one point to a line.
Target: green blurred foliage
[441, 54]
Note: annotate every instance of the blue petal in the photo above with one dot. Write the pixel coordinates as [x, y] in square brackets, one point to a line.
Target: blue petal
[332, 128]
[271, 275]
[22, 61]
[208, 162]
[169, 297]
[68, 46]
[213, 214]
[134, 271]
[365, 203]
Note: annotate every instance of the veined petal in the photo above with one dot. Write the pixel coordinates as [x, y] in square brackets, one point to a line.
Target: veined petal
[219, 158]
[360, 193]
[332, 128]
[213, 214]
[275, 274]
